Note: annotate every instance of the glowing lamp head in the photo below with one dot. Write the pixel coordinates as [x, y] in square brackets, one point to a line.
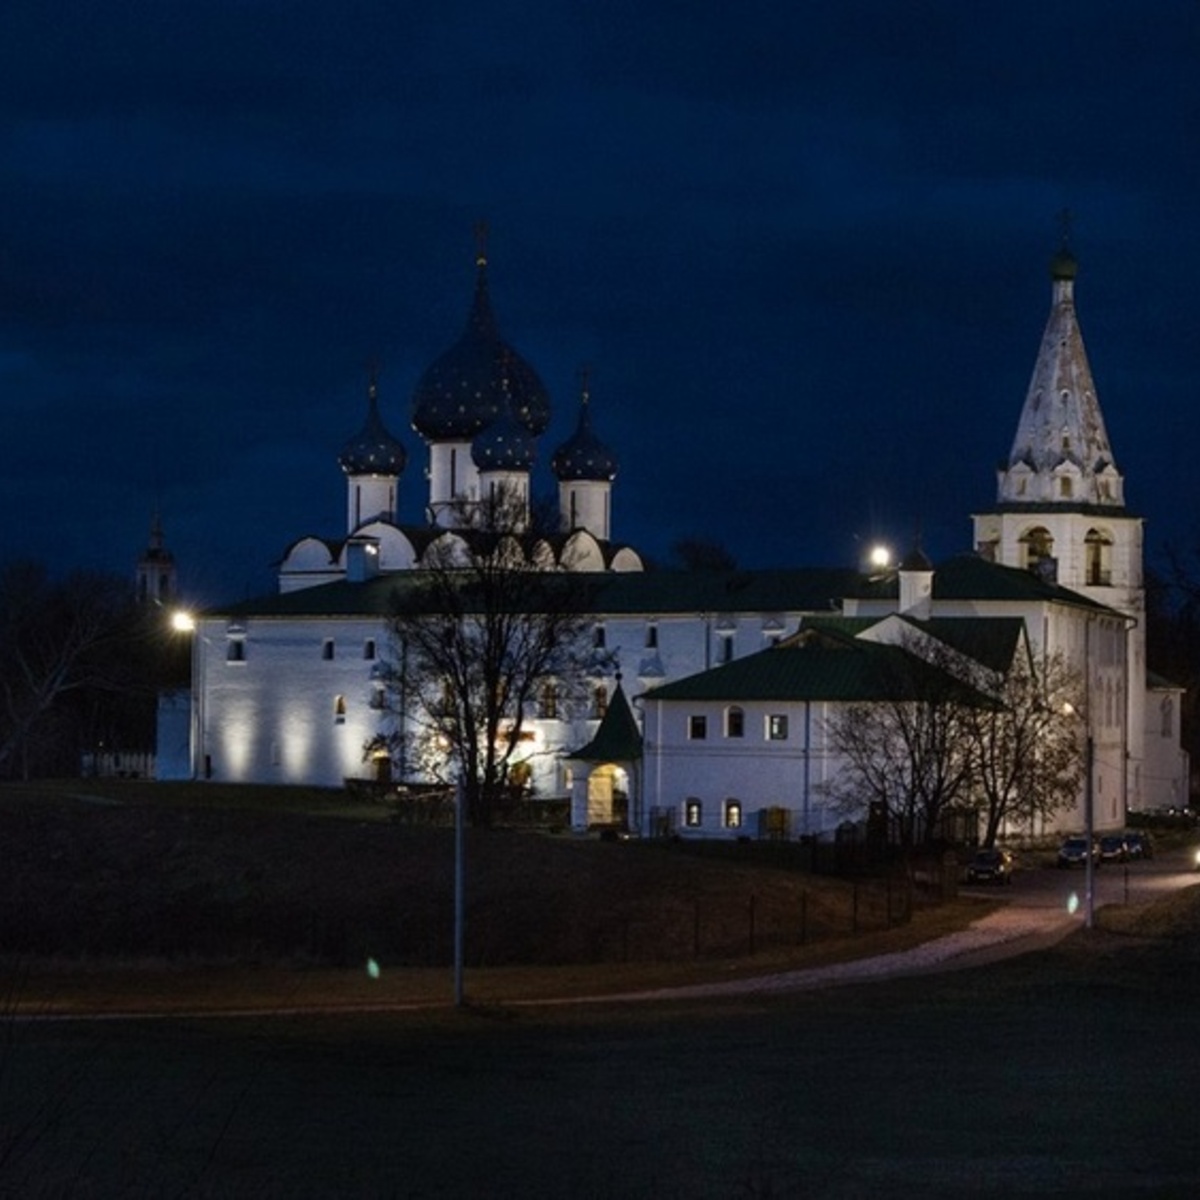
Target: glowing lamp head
[880, 558]
[182, 621]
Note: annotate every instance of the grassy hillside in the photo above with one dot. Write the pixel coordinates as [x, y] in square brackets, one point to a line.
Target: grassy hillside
[127, 871]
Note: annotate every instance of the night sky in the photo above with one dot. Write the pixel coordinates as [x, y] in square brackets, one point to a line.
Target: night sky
[803, 248]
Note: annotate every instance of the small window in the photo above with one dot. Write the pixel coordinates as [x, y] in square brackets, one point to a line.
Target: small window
[733, 814]
[777, 727]
[600, 701]
[378, 697]
[327, 649]
[697, 728]
[369, 649]
[1064, 486]
[725, 651]
[693, 813]
[339, 710]
[548, 702]
[235, 651]
[651, 636]
[598, 637]
[735, 723]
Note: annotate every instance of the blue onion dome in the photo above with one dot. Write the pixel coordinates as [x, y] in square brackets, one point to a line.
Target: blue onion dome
[462, 392]
[373, 450]
[506, 444]
[583, 455]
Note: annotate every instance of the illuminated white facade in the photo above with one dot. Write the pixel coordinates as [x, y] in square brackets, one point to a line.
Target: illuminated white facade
[288, 687]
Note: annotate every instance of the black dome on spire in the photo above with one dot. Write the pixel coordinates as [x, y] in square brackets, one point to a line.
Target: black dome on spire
[462, 391]
[373, 450]
[583, 455]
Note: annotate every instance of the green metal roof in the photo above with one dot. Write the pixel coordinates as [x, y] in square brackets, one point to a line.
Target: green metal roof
[617, 739]
[820, 664]
[654, 593]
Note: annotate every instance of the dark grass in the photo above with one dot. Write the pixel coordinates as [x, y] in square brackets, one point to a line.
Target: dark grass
[1070, 1072]
[1066, 1073]
[125, 873]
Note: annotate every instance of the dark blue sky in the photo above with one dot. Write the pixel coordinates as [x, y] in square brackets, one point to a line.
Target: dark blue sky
[803, 246]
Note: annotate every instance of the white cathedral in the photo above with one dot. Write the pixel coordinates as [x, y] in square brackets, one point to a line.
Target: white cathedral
[690, 727]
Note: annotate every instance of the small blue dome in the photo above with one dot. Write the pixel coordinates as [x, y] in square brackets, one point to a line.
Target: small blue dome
[505, 445]
[373, 450]
[462, 391]
[583, 455]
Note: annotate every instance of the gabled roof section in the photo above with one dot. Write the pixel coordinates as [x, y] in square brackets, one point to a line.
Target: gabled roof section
[618, 738]
[821, 665]
[990, 641]
[970, 577]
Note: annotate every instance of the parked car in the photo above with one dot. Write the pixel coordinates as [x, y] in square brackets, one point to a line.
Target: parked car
[1074, 851]
[1113, 848]
[1139, 844]
[991, 866]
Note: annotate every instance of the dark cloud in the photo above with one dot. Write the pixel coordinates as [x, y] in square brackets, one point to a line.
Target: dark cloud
[802, 247]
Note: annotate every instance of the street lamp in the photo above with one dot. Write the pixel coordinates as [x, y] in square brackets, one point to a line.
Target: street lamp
[1089, 865]
[183, 621]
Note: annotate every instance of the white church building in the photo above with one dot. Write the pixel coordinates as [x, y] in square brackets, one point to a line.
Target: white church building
[287, 688]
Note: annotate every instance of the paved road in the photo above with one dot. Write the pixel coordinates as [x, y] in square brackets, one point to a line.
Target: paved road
[1042, 906]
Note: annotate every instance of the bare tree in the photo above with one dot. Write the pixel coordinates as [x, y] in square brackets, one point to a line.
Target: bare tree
[1024, 750]
[59, 638]
[476, 635]
[905, 748]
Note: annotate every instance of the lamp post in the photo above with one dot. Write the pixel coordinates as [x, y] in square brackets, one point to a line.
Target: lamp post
[1089, 819]
[184, 622]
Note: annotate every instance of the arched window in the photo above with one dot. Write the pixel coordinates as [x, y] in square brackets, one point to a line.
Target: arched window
[599, 701]
[1037, 546]
[1097, 558]
[693, 813]
[339, 710]
[369, 649]
[735, 722]
[548, 702]
[733, 814]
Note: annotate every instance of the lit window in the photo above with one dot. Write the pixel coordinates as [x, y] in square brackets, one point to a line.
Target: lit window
[697, 728]
[339, 710]
[733, 814]
[777, 727]
[693, 813]
[735, 723]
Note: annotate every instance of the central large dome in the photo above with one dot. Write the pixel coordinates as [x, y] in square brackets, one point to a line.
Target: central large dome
[464, 390]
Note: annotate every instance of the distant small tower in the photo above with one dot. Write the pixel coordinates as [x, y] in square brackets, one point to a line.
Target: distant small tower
[585, 468]
[156, 578]
[373, 461]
